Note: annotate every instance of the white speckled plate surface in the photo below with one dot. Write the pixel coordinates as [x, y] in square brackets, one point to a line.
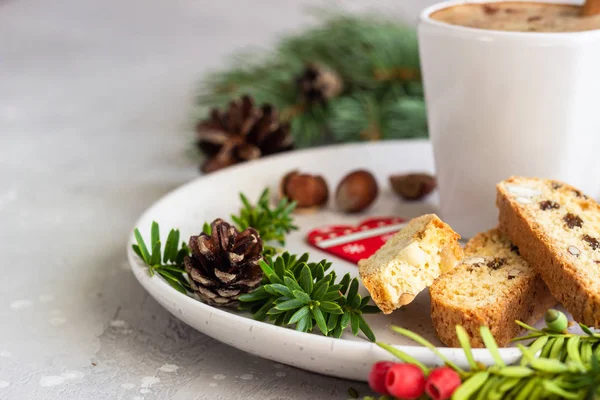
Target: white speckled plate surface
[216, 195]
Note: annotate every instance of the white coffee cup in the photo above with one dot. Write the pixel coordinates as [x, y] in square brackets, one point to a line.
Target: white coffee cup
[508, 103]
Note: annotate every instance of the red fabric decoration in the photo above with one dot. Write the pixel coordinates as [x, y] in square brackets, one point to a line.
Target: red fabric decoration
[353, 243]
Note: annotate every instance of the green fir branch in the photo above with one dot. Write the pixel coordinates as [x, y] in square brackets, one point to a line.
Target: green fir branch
[366, 117]
[299, 293]
[377, 59]
[571, 372]
[294, 291]
[167, 262]
[272, 223]
[355, 46]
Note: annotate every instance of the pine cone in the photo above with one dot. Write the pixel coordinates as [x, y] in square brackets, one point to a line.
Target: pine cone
[241, 133]
[318, 84]
[224, 265]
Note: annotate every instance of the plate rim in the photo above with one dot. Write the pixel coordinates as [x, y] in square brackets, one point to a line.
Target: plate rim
[139, 269]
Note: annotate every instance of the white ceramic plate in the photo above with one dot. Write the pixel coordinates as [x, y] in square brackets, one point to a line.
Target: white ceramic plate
[216, 195]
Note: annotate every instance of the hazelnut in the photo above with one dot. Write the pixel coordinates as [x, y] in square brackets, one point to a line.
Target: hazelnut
[306, 190]
[356, 191]
[414, 186]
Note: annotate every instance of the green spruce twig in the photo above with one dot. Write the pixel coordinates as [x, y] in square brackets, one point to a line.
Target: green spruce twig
[272, 223]
[364, 116]
[376, 58]
[569, 371]
[556, 342]
[167, 263]
[299, 293]
[294, 291]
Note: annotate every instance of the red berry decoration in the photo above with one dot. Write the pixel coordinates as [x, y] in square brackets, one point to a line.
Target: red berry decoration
[441, 383]
[377, 377]
[405, 381]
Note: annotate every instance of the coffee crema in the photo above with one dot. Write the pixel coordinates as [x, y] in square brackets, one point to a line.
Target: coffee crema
[519, 17]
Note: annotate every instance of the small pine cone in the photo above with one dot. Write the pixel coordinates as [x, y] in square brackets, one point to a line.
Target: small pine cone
[242, 132]
[318, 84]
[224, 265]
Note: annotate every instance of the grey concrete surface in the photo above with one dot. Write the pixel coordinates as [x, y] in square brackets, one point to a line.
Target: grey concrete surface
[95, 103]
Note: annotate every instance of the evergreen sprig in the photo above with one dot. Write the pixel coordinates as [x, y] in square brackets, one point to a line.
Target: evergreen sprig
[294, 291]
[539, 375]
[376, 58]
[272, 223]
[364, 116]
[560, 345]
[299, 293]
[167, 263]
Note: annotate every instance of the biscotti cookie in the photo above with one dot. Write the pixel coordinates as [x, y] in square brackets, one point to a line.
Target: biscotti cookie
[493, 286]
[557, 230]
[409, 262]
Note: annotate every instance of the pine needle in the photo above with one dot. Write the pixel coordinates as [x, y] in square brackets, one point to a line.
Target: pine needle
[377, 59]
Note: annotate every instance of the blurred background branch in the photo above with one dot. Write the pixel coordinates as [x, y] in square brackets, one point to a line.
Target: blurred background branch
[351, 77]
